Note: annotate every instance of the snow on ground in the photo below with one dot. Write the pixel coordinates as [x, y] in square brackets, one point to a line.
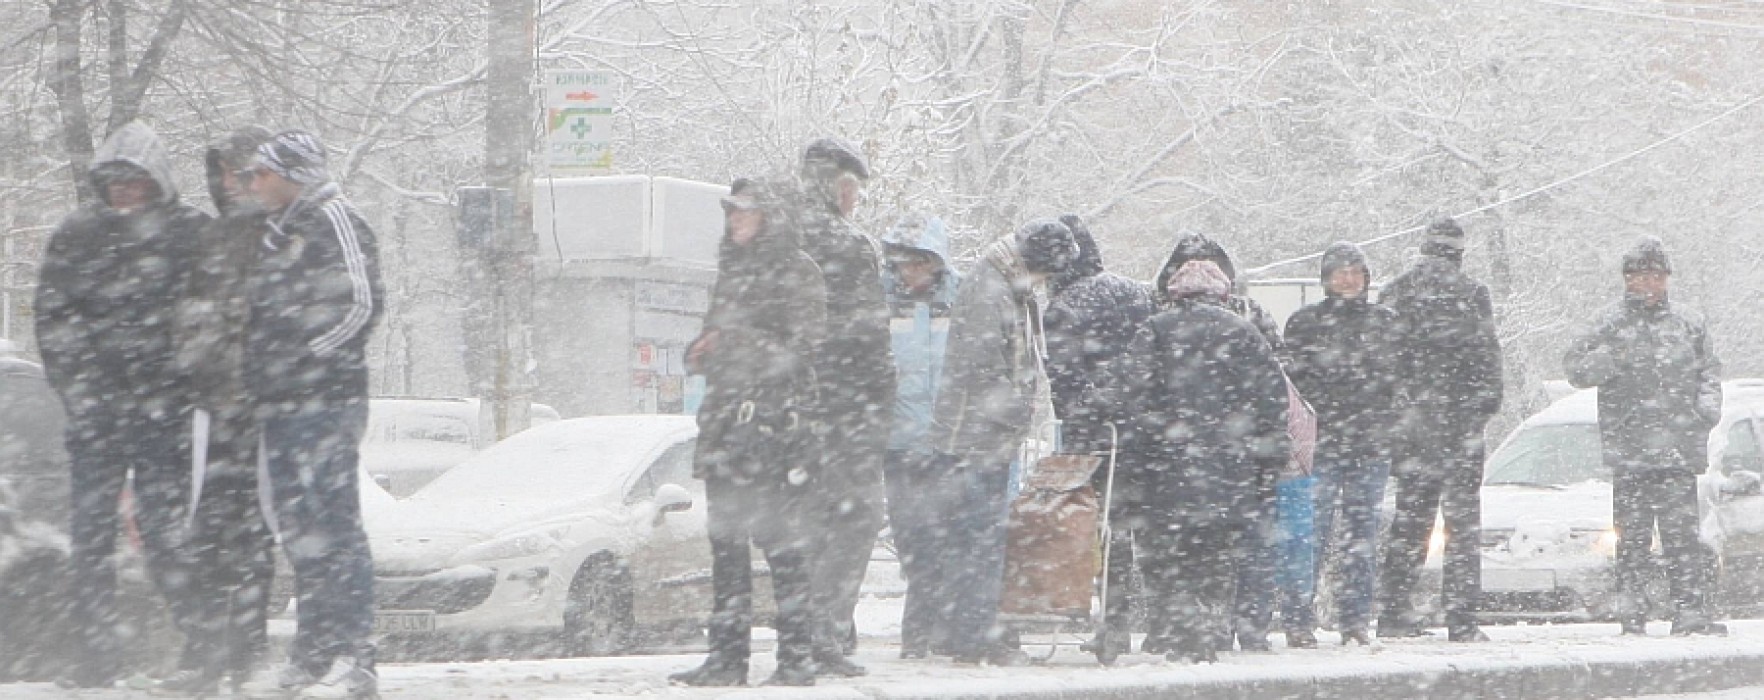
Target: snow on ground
[1068, 670]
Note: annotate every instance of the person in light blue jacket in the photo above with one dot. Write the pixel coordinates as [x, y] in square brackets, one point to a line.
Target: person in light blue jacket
[920, 287]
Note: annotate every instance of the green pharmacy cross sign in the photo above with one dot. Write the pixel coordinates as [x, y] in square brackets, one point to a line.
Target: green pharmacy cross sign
[579, 119]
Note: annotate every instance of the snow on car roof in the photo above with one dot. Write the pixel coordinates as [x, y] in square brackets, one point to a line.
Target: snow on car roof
[1582, 406]
[576, 458]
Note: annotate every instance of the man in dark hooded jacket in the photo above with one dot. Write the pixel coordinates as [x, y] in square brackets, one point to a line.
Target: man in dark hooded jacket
[113, 272]
[1091, 319]
[1211, 404]
[984, 410]
[756, 352]
[1449, 384]
[1659, 396]
[856, 367]
[1341, 355]
[315, 296]
[230, 542]
[1255, 580]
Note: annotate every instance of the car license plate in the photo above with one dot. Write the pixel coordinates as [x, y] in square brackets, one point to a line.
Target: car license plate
[403, 621]
[1517, 580]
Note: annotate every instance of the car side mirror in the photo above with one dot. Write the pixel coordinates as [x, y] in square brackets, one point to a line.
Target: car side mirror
[384, 481]
[672, 498]
[1742, 483]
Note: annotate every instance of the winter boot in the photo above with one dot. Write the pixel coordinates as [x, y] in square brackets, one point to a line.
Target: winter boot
[1357, 635]
[793, 673]
[348, 679]
[715, 672]
[1466, 633]
[189, 682]
[837, 665]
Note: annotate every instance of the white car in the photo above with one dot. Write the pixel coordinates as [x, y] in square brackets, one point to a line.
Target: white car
[592, 528]
[1548, 544]
[411, 440]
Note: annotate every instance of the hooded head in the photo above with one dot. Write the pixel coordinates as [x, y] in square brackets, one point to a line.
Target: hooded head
[1444, 239]
[1341, 255]
[1045, 246]
[1646, 272]
[1089, 261]
[824, 162]
[1647, 255]
[225, 158]
[131, 152]
[1192, 246]
[916, 235]
[1202, 279]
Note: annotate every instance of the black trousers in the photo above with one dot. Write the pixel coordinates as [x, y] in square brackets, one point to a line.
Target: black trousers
[741, 515]
[849, 506]
[912, 479]
[1192, 570]
[112, 445]
[231, 552]
[1664, 499]
[1436, 478]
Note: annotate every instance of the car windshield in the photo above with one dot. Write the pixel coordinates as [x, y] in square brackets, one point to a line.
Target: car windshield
[1549, 455]
[392, 422]
[564, 459]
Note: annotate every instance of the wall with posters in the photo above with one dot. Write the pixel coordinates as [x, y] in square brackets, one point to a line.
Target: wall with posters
[623, 281]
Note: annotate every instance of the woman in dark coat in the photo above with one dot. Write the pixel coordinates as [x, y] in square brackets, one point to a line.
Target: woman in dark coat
[1211, 403]
[756, 352]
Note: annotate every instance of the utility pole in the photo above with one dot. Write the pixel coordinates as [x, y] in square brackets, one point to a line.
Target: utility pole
[508, 144]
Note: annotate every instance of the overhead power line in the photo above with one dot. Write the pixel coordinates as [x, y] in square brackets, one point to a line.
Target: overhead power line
[1755, 99]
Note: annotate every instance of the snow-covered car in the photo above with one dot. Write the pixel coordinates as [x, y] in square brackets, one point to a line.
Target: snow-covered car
[411, 440]
[586, 530]
[1548, 545]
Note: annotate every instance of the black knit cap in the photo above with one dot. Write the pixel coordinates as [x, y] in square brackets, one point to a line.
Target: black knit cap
[1046, 246]
[1343, 254]
[830, 156]
[1648, 255]
[1444, 238]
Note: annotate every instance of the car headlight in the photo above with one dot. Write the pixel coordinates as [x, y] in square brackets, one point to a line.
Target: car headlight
[519, 545]
[1602, 541]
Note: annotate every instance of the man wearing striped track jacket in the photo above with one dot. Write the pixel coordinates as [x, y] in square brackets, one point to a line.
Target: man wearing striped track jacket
[314, 298]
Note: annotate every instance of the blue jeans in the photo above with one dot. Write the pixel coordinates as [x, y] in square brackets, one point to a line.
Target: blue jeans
[973, 544]
[1295, 538]
[312, 452]
[1354, 487]
[1278, 559]
[914, 485]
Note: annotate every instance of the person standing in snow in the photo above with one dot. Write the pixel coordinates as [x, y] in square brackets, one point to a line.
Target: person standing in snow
[1092, 317]
[1659, 384]
[314, 297]
[756, 352]
[1254, 598]
[113, 271]
[1449, 384]
[921, 289]
[230, 542]
[1211, 402]
[857, 383]
[1341, 356]
[983, 413]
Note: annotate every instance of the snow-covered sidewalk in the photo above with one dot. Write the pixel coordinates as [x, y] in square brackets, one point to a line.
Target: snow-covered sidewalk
[1564, 661]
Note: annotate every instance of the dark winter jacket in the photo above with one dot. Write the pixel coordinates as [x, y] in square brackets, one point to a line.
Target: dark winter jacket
[1341, 355]
[766, 317]
[919, 327]
[109, 284]
[1091, 319]
[854, 358]
[990, 368]
[315, 296]
[216, 309]
[1210, 403]
[1197, 246]
[1659, 385]
[1448, 355]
